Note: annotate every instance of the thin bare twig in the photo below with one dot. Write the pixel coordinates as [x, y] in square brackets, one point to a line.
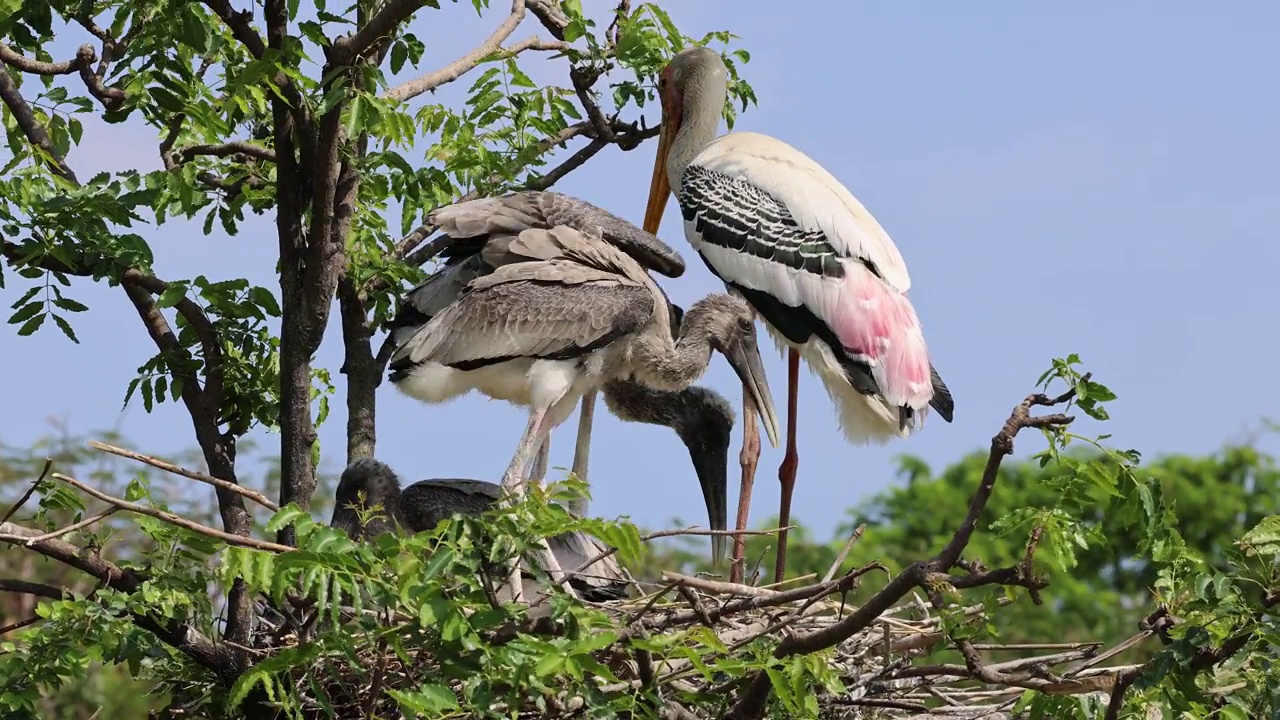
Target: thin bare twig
[48, 463]
[456, 69]
[844, 551]
[168, 517]
[98, 517]
[253, 495]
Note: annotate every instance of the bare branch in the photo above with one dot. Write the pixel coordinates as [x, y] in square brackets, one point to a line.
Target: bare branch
[582, 81]
[844, 551]
[82, 63]
[48, 463]
[168, 517]
[550, 15]
[110, 97]
[12, 57]
[457, 68]
[68, 554]
[92, 519]
[199, 321]
[227, 149]
[253, 495]
[32, 588]
[535, 43]
[614, 31]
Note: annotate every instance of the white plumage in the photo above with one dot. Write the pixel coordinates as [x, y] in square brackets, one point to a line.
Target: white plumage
[781, 231]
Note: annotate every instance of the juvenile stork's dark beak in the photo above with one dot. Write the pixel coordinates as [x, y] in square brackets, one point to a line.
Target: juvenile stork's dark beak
[744, 356]
[708, 438]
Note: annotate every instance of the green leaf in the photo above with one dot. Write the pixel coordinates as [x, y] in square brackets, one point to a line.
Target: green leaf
[66, 328]
[265, 299]
[171, 295]
[286, 516]
[69, 305]
[1263, 538]
[32, 325]
[194, 32]
[399, 54]
[27, 312]
[428, 698]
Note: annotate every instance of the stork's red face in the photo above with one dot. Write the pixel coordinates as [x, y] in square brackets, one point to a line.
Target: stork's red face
[672, 113]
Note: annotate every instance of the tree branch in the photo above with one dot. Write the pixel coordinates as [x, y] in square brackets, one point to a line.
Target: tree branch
[82, 63]
[205, 332]
[363, 371]
[241, 25]
[381, 25]
[550, 15]
[190, 474]
[31, 127]
[227, 149]
[32, 588]
[457, 68]
[202, 406]
[12, 57]
[924, 574]
[181, 636]
[170, 518]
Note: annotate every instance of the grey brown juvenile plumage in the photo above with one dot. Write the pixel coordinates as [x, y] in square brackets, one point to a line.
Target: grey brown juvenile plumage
[425, 504]
[575, 314]
[480, 233]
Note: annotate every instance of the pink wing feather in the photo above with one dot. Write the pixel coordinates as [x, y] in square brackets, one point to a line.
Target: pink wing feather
[876, 324]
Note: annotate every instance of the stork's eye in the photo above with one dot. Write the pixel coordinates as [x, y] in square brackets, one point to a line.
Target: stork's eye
[744, 324]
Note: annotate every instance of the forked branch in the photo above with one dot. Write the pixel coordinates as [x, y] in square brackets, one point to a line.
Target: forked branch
[925, 574]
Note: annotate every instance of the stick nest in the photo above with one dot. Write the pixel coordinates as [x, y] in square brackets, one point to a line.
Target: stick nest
[882, 667]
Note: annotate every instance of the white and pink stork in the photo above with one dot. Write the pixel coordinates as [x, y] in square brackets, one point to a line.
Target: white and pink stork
[826, 279]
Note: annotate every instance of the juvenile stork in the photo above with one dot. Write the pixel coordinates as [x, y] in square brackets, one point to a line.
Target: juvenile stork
[574, 314]
[425, 504]
[701, 417]
[784, 234]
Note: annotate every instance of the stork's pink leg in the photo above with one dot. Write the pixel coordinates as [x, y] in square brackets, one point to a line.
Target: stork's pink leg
[790, 462]
[748, 458]
[514, 477]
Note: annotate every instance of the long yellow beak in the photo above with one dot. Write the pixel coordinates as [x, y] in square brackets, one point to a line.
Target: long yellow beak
[659, 186]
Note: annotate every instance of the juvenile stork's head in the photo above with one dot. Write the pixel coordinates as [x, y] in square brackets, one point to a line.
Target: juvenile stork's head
[366, 484]
[728, 324]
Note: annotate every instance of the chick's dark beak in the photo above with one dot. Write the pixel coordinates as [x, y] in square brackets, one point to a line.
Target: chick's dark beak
[708, 442]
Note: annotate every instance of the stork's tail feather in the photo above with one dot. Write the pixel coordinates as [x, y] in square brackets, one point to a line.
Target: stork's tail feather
[941, 400]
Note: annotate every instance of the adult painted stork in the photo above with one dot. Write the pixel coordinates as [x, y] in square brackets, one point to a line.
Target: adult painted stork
[576, 313]
[425, 504]
[783, 233]
[701, 417]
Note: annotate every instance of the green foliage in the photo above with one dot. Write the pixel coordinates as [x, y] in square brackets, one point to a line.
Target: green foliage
[184, 73]
[251, 121]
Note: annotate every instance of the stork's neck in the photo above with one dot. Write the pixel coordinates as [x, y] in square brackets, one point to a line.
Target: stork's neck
[673, 366]
[703, 102]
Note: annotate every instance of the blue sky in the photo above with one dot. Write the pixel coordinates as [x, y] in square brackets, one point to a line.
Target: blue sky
[1099, 180]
